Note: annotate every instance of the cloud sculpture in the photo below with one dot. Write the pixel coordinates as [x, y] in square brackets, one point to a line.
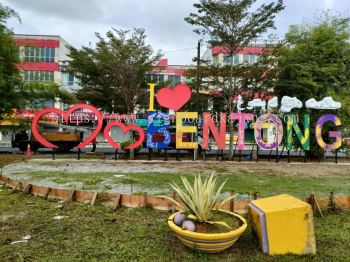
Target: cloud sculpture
[288, 103]
[240, 103]
[325, 103]
[272, 103]
[257, 102]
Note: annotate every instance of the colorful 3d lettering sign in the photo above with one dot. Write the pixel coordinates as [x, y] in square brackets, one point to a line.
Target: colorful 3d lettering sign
[335, 134]
[125, 129]
[208, 124]
[181, 129]
[174, 98]
[65, 116]
[278, 131]
[155, 127]
[158, 123]
[304, 139]
[241, 117]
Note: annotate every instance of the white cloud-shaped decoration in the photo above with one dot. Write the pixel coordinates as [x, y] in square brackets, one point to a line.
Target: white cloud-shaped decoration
[240, 103]
[325, 103]
[272, 103]
[288, 103]
[257, 102]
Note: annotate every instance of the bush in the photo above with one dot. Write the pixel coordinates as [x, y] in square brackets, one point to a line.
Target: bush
[127, 143]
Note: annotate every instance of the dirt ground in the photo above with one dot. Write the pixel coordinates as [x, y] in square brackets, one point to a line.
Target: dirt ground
[101, 166]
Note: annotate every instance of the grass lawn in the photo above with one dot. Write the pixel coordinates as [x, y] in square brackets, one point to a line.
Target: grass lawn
[99, 234]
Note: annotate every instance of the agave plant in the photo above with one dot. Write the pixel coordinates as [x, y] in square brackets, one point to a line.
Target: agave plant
[200, 199]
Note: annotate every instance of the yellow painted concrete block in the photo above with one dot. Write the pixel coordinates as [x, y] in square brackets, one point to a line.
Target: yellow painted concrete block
[284, 224]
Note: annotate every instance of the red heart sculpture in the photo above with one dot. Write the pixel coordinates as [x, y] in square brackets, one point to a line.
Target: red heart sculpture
[65, 116]
[125, 129]
[174, 98]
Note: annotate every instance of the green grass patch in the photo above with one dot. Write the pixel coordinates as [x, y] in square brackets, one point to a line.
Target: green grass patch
[266, 183]
[62, 180]
[99, 234]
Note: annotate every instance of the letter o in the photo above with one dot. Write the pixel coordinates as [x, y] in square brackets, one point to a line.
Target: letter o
[278, 134]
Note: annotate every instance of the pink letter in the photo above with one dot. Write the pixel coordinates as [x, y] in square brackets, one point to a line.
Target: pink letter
[241, 117]
[208, 124]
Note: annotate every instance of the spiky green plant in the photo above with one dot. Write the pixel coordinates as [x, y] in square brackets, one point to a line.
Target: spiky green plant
[201, 198]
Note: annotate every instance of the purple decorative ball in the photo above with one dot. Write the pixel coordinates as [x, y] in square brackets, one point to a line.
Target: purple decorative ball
[188, 225]
[179, 219]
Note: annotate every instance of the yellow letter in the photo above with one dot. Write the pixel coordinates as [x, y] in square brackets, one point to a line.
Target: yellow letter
[151, 96]
[180, 129]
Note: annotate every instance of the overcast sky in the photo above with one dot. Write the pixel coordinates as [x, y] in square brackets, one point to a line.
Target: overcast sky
[77, 20]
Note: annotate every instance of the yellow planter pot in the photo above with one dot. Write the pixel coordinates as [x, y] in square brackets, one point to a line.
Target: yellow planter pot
[210, 243]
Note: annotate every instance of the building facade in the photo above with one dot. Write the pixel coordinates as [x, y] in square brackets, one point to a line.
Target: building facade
[44, 58]
[171, 75]
[220, 55]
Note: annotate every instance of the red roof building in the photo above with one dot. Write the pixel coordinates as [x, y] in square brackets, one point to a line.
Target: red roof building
[162, 72]
[221, 55]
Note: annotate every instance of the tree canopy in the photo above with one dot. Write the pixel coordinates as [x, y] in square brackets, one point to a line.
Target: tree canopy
[34, 92]
[113, 74]
[14, 92]
[233, 25]
[10, 77]
[315, 62]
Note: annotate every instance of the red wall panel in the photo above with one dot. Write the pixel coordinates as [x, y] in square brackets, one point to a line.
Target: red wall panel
[245, 50]
[38, 66]
[38, 43]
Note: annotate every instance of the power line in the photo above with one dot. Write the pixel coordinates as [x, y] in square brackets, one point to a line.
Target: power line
[180, 50]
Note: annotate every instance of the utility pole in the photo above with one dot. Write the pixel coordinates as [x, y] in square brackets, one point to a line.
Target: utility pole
[197, 91]
[198, 64]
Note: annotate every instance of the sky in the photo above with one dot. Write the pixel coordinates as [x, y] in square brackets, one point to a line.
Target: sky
[78, 20]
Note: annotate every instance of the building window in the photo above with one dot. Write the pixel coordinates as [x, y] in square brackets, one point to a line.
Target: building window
[250, 59]
[227, 59]
[70, 79]
[216, 59]
[41, 76]
[236, 59]
[246, 58]
[157, 78]
[39, 54]
[43, 103]
[67, 79]
[174, 79]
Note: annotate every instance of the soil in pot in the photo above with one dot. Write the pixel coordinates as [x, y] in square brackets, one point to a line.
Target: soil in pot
[230, 220]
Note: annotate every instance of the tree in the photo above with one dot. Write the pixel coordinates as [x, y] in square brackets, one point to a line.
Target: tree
[315, 63]
[14, 93]
[34, 92]
[232, 24]
[113, 75]
[10, 77]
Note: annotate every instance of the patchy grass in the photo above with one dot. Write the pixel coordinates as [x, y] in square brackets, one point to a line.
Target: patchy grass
[263, 178]
[266, 183]
[99, 234]
[242, 181]
[62, 180]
